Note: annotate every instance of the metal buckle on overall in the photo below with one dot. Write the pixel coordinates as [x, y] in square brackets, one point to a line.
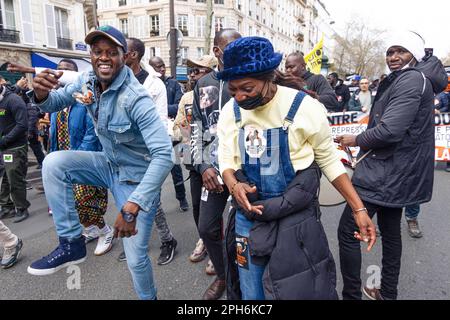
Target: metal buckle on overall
[286, 124]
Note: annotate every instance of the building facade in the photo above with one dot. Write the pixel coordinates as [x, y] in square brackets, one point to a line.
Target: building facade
[284, 22]
[41, 32]
[324, 26]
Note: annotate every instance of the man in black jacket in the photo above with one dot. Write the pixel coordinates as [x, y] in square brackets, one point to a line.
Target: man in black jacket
[174, 94]
[21, 88]
[13, 150]
[316, 84]
[210, 95]
[341, 90]
[397, 160]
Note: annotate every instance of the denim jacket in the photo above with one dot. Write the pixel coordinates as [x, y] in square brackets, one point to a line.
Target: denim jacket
[130, 130]
[81, 130]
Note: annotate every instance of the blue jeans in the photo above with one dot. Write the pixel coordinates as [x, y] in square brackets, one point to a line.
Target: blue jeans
[412, 212]
[251, 275]
[61, 170]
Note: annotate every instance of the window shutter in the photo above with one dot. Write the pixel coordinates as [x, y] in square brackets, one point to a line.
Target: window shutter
[49, 13]
[27, 22]
[191, 25]
[161, 25]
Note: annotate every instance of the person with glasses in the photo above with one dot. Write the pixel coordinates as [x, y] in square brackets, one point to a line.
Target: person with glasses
[204, 144]
[197, 69]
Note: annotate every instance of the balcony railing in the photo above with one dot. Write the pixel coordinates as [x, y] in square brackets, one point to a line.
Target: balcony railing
[154, 32]
[9, 35]
[64, 43]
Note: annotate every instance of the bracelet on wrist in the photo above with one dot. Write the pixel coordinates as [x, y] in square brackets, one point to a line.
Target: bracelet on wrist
[355, 212]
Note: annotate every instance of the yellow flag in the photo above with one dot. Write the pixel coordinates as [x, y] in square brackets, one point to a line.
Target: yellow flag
[314, 58]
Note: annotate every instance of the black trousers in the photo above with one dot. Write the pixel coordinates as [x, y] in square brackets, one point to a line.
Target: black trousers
[389, 222]
[196, 183]
[36, 146]
[13, 191]
[210, 224]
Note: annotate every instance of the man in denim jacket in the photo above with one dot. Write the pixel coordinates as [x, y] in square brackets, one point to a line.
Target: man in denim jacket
[136, 157]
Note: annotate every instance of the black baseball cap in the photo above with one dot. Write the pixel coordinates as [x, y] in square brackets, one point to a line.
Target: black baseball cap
[109, 32]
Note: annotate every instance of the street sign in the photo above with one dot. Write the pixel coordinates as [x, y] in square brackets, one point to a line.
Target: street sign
[80, 46]
[179, 38]
[182, 73]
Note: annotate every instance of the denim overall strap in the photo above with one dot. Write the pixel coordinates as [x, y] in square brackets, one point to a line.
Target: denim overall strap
[293, 110]
[237, 112]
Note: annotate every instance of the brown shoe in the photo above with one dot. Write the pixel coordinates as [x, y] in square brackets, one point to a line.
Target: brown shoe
[373, 293]
[215, 290]
[413, 229]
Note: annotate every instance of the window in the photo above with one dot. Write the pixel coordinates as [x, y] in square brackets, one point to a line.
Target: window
[219, 23]
[152, 0]
[201, 1]
[62, 29]
[152, 52]
[7, 20]
[61, 19]
[183, 24]
[239, 5]
[219, 1]
[122, 3]
[258, 11]
[250, 31]
[239, 28]
[154, 25]
[123, 26]
[200, 52]
[201, 26]
[252, 8]
[8, 31]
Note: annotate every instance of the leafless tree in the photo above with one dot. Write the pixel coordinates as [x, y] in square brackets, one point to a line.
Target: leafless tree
[360, 50]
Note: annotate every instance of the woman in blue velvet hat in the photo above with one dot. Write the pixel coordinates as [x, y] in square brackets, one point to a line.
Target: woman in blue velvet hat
[281, 247]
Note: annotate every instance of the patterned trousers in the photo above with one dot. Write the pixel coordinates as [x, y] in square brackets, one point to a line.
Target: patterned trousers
[91, 204]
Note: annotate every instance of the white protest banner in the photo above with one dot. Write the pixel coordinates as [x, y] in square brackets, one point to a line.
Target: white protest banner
[356, 122]
[352, 122]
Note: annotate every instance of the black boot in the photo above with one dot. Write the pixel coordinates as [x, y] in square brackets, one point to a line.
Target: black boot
[21, 215]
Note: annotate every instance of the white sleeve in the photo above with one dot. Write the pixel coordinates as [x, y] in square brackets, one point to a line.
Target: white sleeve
[67, 77]
[157, 91]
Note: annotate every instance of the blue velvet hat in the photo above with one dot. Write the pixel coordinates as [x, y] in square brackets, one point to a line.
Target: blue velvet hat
[248, 56]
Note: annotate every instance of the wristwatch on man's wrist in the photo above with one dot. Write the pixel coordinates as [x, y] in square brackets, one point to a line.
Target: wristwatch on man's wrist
[128, 216]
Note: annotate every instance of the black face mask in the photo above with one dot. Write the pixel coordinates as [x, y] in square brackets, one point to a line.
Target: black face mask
[252, 103]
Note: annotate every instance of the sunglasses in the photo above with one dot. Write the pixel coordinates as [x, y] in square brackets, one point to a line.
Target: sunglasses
[196, 70]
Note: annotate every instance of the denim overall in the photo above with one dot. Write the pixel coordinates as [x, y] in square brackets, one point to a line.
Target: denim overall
[271, 174]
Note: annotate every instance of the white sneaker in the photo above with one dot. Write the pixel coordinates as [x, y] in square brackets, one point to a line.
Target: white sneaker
[105, 242]
[91, 233]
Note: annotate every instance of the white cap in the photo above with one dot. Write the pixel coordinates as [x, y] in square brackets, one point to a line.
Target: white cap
[409, 40]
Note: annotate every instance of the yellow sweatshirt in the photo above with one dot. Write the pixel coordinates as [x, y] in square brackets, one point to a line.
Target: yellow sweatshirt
[309, 135]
